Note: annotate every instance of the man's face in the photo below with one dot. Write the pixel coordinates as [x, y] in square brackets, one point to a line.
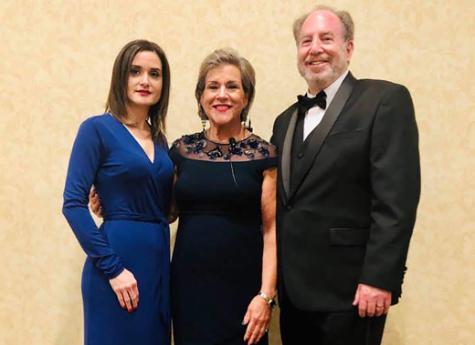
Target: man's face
[323, 54]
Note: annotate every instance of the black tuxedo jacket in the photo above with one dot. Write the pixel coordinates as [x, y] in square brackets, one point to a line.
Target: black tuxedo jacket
[349, 215]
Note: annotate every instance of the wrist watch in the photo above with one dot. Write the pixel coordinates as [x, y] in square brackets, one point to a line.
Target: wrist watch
[269, 300]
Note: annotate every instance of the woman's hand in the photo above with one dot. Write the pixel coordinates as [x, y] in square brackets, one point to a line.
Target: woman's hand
[257, 319]
[95, 202]
[126, 289]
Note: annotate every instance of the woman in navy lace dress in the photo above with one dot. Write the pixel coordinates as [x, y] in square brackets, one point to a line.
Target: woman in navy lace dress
[123, 153]
[224, 261]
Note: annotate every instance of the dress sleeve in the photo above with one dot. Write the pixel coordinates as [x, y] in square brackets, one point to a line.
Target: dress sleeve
[271, 158]
[84, 163]
[174, 153]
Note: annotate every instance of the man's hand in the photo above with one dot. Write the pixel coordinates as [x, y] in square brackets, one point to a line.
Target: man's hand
[372, 301]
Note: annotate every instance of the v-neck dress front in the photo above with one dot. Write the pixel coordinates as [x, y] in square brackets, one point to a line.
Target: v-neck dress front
[135, 195]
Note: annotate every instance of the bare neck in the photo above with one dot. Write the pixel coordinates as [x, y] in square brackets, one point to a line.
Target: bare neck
[315, 88]
[137, 117]
[222, 134]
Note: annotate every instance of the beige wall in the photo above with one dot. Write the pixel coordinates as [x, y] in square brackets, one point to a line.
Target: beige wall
[56, 58]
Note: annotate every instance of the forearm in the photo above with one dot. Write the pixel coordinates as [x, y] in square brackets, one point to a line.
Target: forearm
[172, 213]
[269, 263]
[269, 253]
[93, 241]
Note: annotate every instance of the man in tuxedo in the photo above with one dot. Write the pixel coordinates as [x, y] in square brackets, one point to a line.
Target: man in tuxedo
[348, 191]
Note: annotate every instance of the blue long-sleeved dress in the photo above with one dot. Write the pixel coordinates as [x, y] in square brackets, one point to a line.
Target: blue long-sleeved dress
[135, 194]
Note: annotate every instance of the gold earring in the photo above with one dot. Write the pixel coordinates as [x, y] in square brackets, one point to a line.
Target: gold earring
[203, 124]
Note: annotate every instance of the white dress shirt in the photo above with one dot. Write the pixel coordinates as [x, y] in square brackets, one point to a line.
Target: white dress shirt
[315, 114]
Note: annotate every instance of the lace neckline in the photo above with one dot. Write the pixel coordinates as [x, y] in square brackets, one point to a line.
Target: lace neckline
[198, 146]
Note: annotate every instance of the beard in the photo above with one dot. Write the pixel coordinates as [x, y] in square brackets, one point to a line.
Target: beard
[323, 77]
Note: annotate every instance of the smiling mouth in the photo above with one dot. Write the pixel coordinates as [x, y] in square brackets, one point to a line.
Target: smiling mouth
[316, 63]
[221, 107]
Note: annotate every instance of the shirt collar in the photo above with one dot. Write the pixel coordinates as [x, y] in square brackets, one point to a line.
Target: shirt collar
[332, 88]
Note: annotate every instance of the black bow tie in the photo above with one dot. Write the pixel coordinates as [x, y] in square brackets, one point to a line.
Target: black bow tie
[305, 103]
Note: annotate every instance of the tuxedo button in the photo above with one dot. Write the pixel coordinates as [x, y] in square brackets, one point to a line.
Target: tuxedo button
[288, 207]
[300, 155]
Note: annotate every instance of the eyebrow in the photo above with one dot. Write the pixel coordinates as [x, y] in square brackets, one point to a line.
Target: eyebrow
[227, 82]
[305, 36]
[152, 69]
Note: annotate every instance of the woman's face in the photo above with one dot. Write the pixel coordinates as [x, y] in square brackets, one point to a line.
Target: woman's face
[144, 85]
[223, 98]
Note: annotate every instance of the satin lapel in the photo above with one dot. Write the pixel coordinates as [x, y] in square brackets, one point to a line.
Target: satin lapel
[286, 152]
[317, 139]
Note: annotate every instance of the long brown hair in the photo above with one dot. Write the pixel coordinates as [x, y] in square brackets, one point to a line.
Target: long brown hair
[117, 99]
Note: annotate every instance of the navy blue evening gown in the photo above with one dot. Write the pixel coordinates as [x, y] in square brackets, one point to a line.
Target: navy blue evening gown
[135, 194]
[217, 260]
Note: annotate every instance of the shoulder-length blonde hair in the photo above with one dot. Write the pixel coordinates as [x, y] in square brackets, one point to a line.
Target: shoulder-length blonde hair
[227, 56]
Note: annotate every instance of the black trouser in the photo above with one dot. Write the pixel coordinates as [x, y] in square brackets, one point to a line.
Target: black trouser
[299, 327]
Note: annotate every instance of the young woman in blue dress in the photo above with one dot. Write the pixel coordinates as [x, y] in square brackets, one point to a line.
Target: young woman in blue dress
[123, 153]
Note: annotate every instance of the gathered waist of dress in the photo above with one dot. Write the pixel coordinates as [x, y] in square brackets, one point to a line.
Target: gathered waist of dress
[136, 217]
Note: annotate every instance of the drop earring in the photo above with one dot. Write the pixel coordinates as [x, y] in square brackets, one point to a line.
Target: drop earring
[203, 117]
[249, 125]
